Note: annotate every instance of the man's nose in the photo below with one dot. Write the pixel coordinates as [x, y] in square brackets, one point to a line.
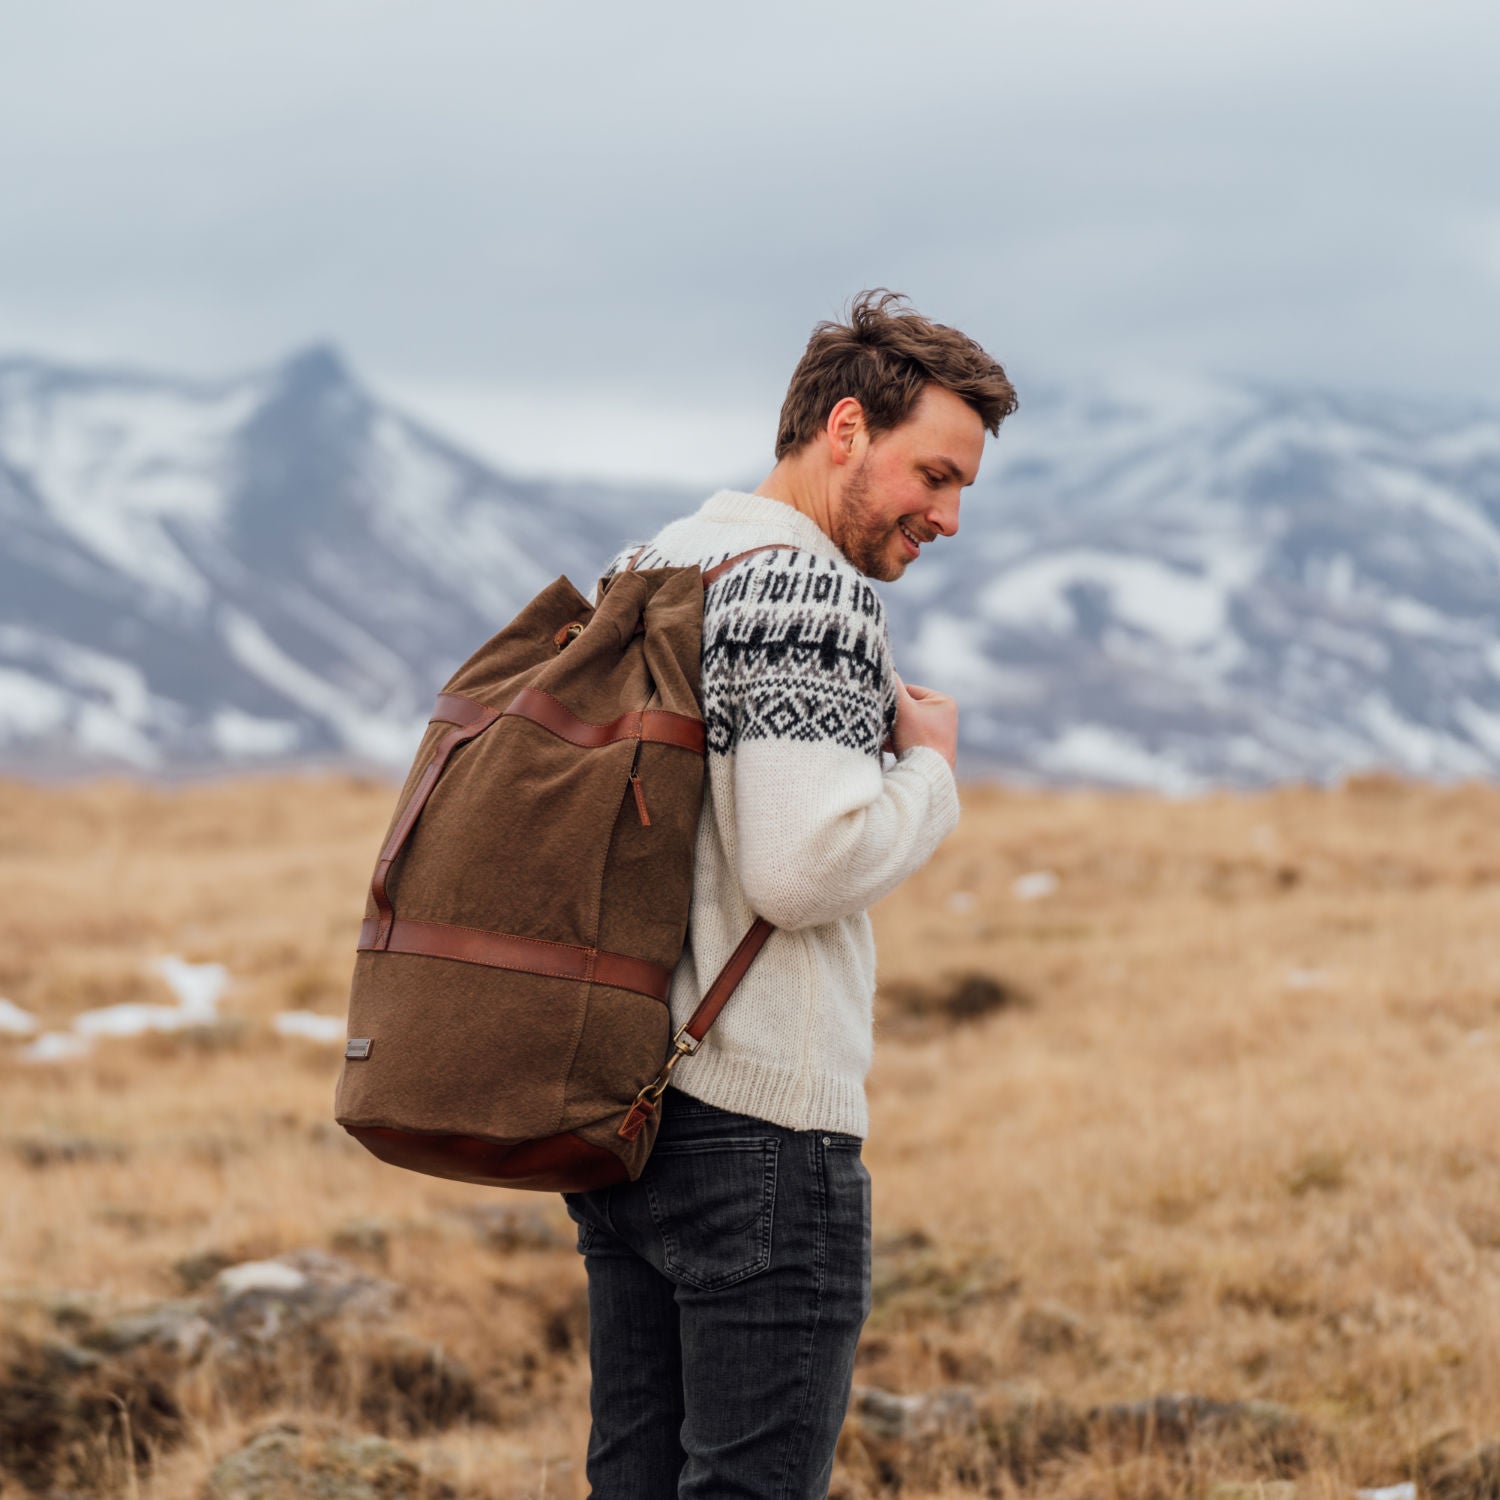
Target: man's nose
[942, 515]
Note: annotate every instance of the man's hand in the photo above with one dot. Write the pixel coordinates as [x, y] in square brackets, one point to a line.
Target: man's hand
[925, 717]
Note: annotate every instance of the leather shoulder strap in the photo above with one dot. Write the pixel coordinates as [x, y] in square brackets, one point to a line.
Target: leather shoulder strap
[710, 575]
[729, 977]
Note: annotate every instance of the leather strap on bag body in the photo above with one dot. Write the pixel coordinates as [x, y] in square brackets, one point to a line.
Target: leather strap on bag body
[658, 724]
[468, 719]
[509, 950]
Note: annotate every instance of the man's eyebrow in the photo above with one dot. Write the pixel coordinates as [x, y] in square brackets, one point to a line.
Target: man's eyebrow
[944, 462]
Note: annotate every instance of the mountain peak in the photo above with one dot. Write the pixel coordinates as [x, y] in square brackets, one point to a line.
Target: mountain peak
[314, 368]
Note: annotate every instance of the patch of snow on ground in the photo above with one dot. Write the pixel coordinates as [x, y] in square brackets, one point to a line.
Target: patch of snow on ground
[1306, 979]
[312, 1025]
[197, 987]
[131, 1018]
[259, 1276]
[1404, 1491]
[1035, 885]
[55, 1046]
[14, 1021]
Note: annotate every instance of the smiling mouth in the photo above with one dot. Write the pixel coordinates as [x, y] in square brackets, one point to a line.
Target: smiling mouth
[911, 541]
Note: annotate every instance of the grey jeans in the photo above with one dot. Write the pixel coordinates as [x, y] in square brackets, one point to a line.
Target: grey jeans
[727, 1290]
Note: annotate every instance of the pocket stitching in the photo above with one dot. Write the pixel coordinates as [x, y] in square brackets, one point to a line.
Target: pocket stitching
[770, 1151]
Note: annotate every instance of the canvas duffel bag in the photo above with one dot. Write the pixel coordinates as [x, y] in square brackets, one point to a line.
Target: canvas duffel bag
[509, 1020]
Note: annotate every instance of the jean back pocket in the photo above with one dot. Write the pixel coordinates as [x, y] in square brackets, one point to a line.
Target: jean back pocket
[713, 1202]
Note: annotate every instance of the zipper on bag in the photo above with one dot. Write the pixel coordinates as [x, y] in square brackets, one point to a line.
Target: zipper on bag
[635, 786]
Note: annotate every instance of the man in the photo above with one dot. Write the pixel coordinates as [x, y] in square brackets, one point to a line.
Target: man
[729, 1284]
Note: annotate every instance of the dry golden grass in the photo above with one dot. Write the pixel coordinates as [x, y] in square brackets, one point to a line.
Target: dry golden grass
[1237, 1132]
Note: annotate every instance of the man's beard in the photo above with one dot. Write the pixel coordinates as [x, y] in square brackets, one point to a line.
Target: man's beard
[863, 540]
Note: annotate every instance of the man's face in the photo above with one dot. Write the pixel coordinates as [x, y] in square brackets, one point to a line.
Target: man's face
[908, 480]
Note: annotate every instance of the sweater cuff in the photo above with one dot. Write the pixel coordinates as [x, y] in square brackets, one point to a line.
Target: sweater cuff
[938, 775]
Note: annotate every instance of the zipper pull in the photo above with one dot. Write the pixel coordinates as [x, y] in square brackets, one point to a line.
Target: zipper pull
[640, 798]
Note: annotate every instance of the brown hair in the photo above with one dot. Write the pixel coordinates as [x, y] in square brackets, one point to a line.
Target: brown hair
[884, 359]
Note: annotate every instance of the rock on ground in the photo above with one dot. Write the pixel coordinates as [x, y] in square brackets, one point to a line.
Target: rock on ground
[286, 1460]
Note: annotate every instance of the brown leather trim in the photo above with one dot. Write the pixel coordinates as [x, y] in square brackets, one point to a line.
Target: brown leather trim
[507, 950]
[655, 724]
[630, 566]
[475, 718]
[729, 976]
[563, 1163]
[456, 708]
[637, 1117]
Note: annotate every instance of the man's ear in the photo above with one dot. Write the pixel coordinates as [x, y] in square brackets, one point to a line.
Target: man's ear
[844, 430]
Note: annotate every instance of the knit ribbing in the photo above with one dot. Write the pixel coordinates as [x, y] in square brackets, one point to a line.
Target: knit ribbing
[801, 823]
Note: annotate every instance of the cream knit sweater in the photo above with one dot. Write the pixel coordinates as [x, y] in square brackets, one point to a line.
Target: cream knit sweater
[803, 822]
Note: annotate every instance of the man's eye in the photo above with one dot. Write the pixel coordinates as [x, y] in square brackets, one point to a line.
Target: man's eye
[934, 479]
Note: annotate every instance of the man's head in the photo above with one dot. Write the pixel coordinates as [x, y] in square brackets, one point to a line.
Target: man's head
[884, 420]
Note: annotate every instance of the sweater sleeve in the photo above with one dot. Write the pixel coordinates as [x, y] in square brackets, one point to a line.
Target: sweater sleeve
[804, 696]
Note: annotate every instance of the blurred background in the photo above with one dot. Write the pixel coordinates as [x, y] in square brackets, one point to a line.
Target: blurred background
[324, 341]
[329, 334]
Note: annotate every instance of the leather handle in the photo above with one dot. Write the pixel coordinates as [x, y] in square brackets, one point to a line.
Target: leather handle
[468, 718]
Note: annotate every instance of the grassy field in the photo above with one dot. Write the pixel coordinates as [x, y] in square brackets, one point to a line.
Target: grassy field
[1192, 1096]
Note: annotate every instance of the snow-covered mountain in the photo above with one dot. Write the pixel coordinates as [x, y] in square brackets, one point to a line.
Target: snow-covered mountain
[1156, 585]
[273, 567]
[1177, 585]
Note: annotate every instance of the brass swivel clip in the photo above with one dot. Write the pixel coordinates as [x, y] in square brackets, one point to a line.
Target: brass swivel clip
[682, 1046]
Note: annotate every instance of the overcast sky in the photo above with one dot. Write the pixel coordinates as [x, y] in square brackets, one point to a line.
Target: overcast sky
[593, 238]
